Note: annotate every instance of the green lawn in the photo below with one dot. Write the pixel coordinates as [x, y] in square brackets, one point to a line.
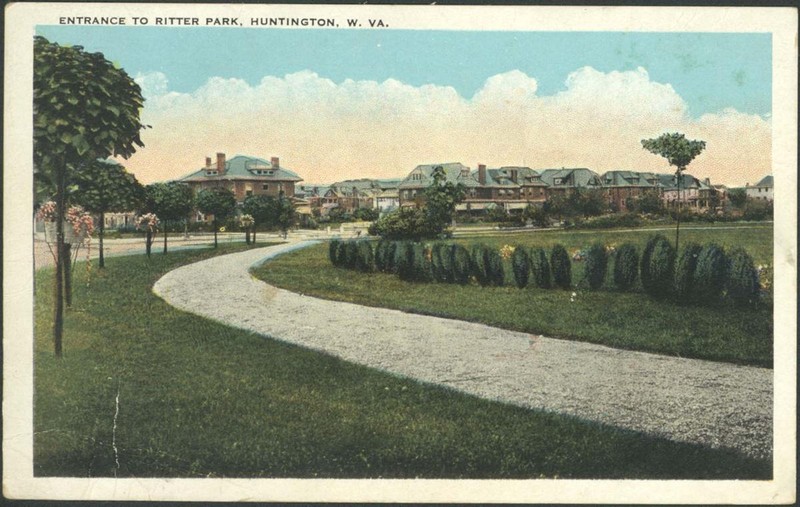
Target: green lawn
[623, 320]
[199, 399]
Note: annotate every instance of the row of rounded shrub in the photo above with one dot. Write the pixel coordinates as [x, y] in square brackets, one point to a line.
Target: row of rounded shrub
[454, 263]
[700, 274]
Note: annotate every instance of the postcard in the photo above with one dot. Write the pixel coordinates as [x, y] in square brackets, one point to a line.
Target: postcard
[359, 253]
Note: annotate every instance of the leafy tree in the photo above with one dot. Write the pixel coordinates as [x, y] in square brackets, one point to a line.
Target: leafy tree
[103, 186]
[679, 152]
[738, 198]
[219, 202]
[284, 213]
[171, 201]
[260, 208]
[84, 108]
[366, 214]
[649, 202]
[441, 198]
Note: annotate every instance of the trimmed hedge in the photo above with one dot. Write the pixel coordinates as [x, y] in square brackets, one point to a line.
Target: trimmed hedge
[710, 274]
[479, 264]
[702, 274]
[462, 265]
[421, 264]
[520, 266]
[561, 266]
[364, 260]
[596, 266]
[658, 267]
[540, 268]
[333, 248]
[626, 266]
[743, 286]
[684, 273]
[404, 260]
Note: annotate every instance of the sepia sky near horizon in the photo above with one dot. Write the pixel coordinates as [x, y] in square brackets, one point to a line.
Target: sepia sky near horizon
[338, 104]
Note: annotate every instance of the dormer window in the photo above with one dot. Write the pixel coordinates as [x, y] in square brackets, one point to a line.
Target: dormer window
[212, 173]
[557, 181]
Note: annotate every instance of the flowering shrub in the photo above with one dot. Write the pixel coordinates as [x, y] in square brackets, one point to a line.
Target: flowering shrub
[147, 222]
[506, 251]
[81, 221]
[246, 220]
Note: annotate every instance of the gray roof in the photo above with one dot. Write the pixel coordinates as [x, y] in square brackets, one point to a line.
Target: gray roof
[668, 182]
[569, 178]
[766, 181]
[627, 179]
[242, 167]
[454, 172]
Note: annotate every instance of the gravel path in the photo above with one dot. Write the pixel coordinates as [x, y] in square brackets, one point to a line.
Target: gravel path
[716, 404]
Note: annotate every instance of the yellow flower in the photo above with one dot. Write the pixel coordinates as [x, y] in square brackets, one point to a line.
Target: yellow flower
[222, 229]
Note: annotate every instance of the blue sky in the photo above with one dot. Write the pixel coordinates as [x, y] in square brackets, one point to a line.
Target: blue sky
[710, 72]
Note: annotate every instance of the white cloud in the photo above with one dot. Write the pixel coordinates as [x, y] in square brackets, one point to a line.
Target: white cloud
[327, 131]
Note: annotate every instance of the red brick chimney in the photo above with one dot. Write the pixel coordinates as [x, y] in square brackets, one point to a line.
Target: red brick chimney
[514, 175]
[208, 162]
[221, 163]
[276, 162]
[482, 174]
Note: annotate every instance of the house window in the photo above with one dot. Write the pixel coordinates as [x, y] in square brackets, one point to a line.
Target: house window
[557, 181]
[265, 186]
[211, 173]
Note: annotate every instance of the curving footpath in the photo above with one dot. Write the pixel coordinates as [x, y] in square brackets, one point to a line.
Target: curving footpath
[689, 400]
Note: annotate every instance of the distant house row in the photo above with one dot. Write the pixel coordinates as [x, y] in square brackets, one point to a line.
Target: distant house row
[512, 187]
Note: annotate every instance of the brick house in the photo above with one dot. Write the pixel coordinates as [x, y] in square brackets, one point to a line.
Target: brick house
[412, 189]
[244, 176]
[622, 186]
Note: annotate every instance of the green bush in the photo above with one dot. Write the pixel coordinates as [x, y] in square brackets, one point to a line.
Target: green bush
[439, 270]
[596, 266]
[365, 261]
[684, 273]
[494, 268]
[743, 285]
[333, 248]
[710, 274]
[421, 263]
[404, 260]
[479, 264]
[540, 268]
[658, 267]
[520, 266]
[561, 266]
[626, 266]
[341, 254]
[460, 263]
[380, 255]
[389, 257]
[350, 255]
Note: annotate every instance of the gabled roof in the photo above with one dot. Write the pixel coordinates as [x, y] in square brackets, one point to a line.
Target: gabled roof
[569, 178]
[454, 172]
[668, 182]
[626, 179]
[766, 181]
[242, 167]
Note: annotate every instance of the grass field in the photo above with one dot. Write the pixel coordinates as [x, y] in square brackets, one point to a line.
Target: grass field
[624, 320]
[199, 399]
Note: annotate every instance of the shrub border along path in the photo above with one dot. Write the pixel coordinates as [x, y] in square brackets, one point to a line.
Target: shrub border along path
[689, 400]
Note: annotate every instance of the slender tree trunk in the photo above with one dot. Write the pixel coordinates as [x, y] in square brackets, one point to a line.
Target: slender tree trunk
[68, 274]
[215, 232]
[58, 310]
[254, 234]
[148, 242]
[165, 236]
[247, 235]
[680, 208]
[102, 261]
